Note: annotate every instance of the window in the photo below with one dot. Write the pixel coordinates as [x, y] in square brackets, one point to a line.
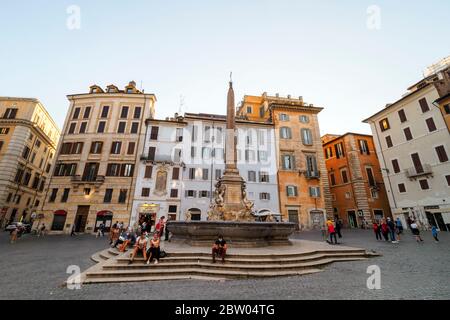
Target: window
[154, 133]
[38, 143]
[218, 174]
[395, 166]
[261, 137]
[42, 185]
[332, 179]
[179, 135]
[442, 154]
[389, 142]
[151, 153]
[127, 170]
[72, 128]
[121, 128]
[90, 171]
[402, 116]
[264, 196]
[131, 148]
[344, 176]
[249, 155]
[108, 196]
[431, 125]
[173, 209]
[262, 156]
[417, 163]
[291, 191]
[176, 174]
[219, 135]
[101, 127]
[285, 133]
[207, 134]
[424, 105]
[447, 109]
[194, 133]
[65, 195]
[424, 184]
[96, 147]
[206, 153]
[348, 195]
[311, 167]
[408, 134]
[76, 113]
[123, 196]
[284, 117]
[448, 180]
[26, 153]
[53, 195]
[87, 113]
[4, 131]
[204, 194]
[145, 192]
[384, 125]
[193, 152]
[83, 127]
[304, 119]
[65, 169]
[364, 147]
[249, 138]
[252, 176]
[339, 150]
[148, 172]
[263, 176]
[105, 112]
[137, 113]
[307, 137]
[288, 162]
[205, 174]
[314, 192]
[328, 153]
[124, 112]
[249, 109]
[10, 113]
[190, 194]
[192, 173]
[134, 127]
[174, 193]
[370, 177]
[116, 147]
[401, 188]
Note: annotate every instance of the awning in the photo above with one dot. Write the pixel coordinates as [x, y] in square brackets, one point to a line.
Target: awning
[104, 213]
[60, 213]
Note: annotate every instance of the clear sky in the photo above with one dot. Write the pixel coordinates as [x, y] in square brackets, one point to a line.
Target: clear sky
[321, 50]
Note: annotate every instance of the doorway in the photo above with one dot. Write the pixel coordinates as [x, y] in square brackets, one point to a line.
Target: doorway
[81, 218]
[435, 219]
[352, 221]
[293, 218]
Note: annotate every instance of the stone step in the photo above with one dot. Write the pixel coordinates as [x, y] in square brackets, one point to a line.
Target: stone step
[227, 266]
[139, 275]
[152, 278]
[96, 258]
[276, 261]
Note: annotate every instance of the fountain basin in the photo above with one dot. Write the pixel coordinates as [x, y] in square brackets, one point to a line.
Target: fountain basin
[237, 234]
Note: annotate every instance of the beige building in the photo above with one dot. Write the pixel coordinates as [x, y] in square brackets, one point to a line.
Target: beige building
[95, 177]
[413, 146]
[303, 187]
[28, 140]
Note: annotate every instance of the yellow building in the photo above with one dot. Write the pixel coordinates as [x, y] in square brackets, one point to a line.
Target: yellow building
[302, 177]
[28, 140]
[95, 177]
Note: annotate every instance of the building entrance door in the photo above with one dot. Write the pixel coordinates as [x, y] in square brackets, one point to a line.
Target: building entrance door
[352, 221]
[81, 218]
[435, 219]
[293, 217]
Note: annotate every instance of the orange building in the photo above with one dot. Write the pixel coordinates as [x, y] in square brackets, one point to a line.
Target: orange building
[302, 176]
[356, 183]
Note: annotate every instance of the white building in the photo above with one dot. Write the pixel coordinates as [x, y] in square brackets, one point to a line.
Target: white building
[184, 156]
[413, 147]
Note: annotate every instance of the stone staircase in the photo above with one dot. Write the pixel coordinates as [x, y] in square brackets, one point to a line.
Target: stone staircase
[113, 266]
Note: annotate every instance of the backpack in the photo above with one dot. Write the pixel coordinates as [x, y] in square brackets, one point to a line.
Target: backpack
[163, 254]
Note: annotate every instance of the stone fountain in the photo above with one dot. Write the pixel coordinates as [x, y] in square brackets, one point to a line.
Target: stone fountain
[231, 213]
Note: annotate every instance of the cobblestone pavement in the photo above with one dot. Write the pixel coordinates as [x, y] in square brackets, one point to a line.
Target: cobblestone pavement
[35, 268]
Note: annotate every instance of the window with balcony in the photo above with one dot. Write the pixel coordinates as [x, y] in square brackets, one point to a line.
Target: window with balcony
[90, 172]
[417, 163]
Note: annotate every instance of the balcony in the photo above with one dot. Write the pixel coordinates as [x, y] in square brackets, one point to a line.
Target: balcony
[95, 180]
[167, 159]
[311, 174]
[413, 173]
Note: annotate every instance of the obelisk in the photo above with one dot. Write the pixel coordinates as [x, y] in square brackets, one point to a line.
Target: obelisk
[230, 142]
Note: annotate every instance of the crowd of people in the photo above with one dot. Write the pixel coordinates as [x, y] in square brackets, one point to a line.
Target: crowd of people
[392, 231]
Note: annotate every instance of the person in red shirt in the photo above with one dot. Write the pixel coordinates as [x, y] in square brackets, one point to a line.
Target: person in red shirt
[377, 230]
[331, 232]
[385, 229]
[160, 226]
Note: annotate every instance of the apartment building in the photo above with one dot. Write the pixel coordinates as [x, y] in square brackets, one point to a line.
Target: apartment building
[413, 143]
[28, 140]
[94, 177]
[356, 182]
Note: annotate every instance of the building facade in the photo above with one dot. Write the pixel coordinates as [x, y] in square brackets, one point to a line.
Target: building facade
[303, 187]
[185, 156]
[356, 182]
[28, 140]
[94, 177]
[413, 143]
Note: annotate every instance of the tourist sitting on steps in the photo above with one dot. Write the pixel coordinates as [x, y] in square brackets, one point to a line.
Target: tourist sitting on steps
[154, 251]
[140, 246]
[219, 249]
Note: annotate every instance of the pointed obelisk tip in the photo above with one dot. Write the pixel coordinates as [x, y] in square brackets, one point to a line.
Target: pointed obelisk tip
[231, 79]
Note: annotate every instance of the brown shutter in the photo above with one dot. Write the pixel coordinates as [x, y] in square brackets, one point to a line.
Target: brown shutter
[408, 134]
[442, 155]
[402, 115]
[176, 174]
[431, 125]
[148, 172]
[424, 105]
[396, 166]
[389, 142]
[417, 163]
[151, 153]
[131, 147]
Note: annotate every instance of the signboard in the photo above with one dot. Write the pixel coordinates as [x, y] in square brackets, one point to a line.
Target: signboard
[149, 208]
[360, 213]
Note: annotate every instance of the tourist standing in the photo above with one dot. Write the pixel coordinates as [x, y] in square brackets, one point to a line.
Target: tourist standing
[416, 232]
[391, 226]
[166, 231]
[160, 226]
[41, 231]
[385, 230]
[331, 232]
[434, 233]
[399, 227]
[101, 230]
[377, 230]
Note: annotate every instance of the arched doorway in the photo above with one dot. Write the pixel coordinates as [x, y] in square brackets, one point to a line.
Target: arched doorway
[104, 217]
[317, 219]
[59, 220]
[196, 214]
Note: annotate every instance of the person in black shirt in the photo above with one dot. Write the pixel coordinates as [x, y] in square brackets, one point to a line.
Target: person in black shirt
[219, 249]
